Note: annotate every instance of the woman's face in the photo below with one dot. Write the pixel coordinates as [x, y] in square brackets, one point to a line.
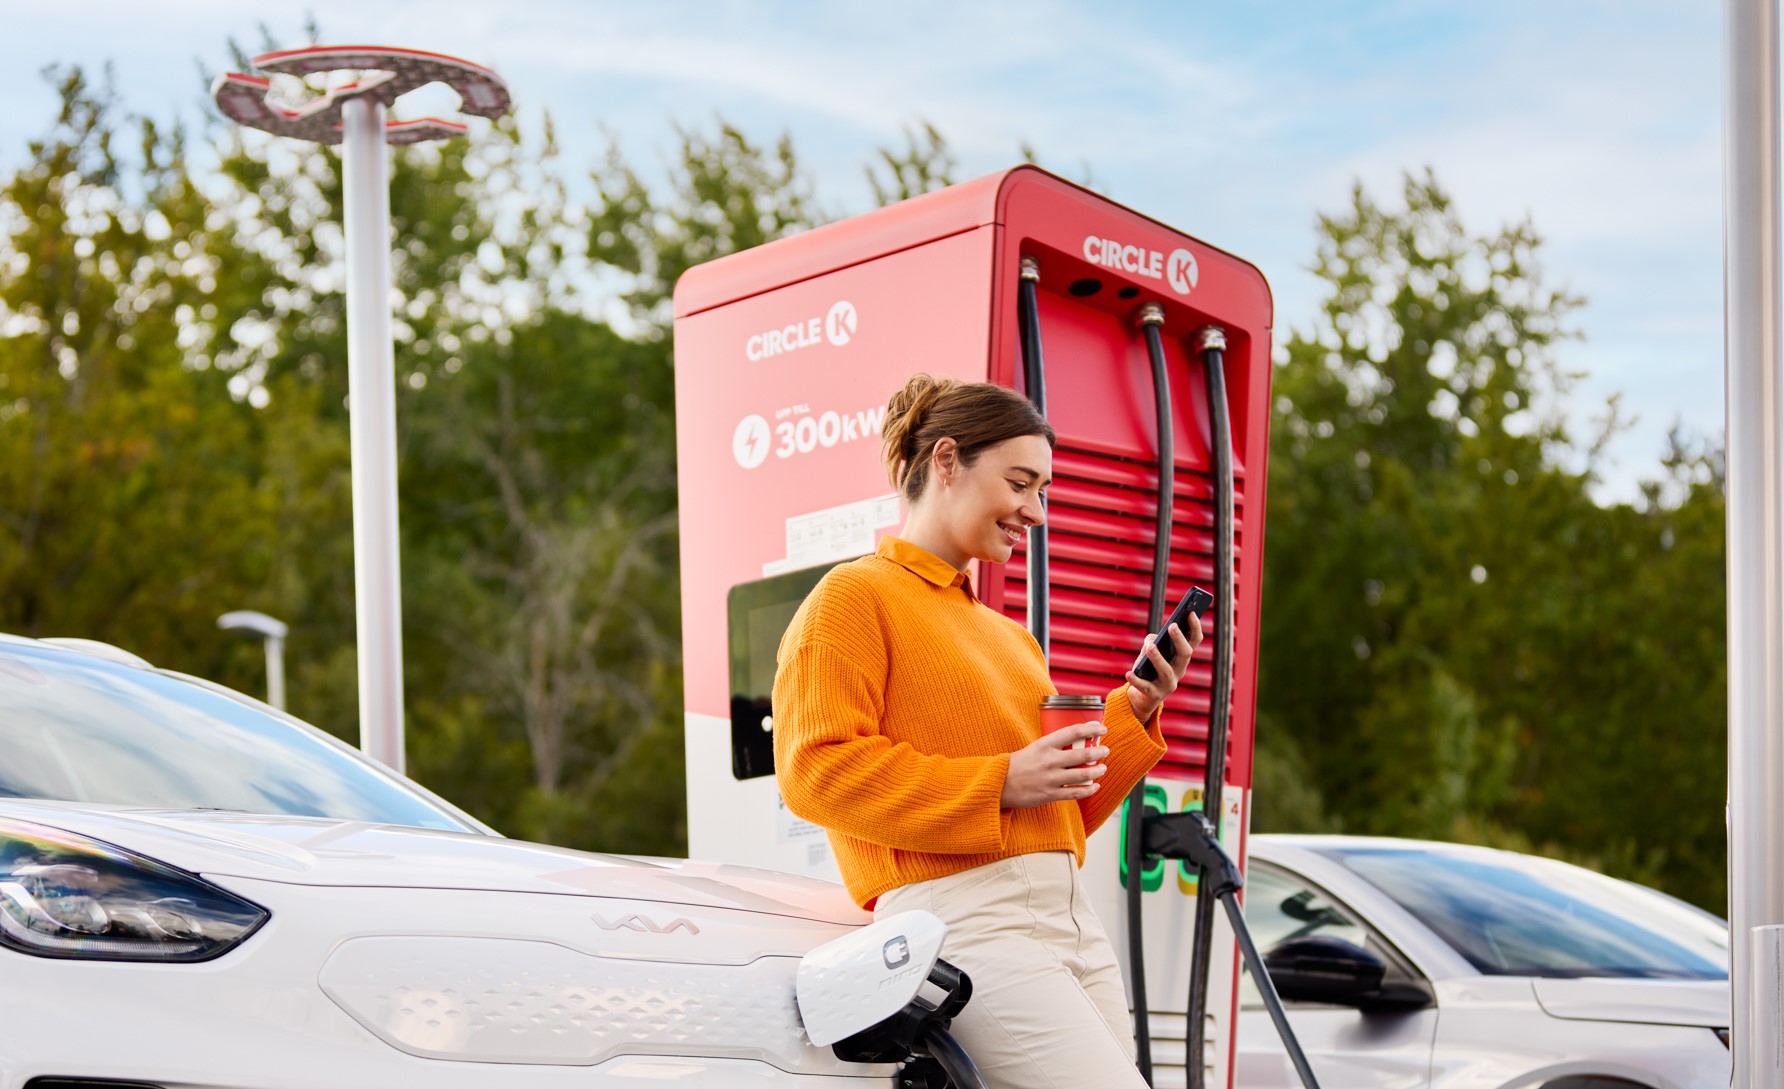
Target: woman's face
[989, 505]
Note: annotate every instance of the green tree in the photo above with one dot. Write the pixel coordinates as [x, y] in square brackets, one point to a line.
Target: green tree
[135, 501]
[1454, 643]
[173, 437]
[926, 164]
[725, 195]
[541, 600]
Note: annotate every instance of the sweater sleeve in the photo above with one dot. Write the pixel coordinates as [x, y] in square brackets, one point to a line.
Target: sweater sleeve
[1134, 748]
[837, 769]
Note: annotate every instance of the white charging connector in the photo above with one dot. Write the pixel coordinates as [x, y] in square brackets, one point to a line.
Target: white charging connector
[857, 981]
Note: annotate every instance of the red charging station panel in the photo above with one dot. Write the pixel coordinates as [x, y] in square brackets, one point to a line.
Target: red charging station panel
[786, 354]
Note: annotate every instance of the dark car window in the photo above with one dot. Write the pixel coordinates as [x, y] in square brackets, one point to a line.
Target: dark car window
[1280, 907]
[74, 727]
[1517, 915]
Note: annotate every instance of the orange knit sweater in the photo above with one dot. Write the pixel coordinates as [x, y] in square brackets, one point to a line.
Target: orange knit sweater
[898, 700]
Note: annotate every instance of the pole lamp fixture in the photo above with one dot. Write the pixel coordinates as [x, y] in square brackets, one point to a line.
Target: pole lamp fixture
[353, 116]
[272, 633]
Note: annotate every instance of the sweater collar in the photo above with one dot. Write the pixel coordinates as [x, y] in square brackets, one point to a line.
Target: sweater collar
[925, 565]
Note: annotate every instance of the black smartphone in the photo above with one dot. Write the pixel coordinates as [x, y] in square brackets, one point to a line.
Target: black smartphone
[1195, 601]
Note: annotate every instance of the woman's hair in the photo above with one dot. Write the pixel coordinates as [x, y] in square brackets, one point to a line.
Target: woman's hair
[976, 415]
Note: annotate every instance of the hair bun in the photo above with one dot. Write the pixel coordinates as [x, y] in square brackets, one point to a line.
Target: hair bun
[976, 415]
[904, 418]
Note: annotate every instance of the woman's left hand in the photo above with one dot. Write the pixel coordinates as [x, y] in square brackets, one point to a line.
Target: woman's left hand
[1144, 697]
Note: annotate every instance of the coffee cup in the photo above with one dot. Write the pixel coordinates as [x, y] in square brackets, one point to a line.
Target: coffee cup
[1058, 712]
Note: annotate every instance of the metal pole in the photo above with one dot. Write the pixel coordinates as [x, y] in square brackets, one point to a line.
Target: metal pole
[371, 389]
[1755, 411]
[275, 671]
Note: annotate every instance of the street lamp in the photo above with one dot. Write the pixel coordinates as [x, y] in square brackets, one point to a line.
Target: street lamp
[353, 116]
[272, 633]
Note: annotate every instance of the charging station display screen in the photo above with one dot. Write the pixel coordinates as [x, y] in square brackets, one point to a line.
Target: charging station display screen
[757, 615]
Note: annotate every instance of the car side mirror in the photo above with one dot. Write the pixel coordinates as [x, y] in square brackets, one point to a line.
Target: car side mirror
[1323, 969]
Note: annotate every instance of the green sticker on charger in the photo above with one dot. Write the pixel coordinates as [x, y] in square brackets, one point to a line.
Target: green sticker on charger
[1152, 878]
[1189, 878]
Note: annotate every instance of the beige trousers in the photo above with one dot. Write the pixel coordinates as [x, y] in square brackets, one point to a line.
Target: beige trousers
[1048, 1008]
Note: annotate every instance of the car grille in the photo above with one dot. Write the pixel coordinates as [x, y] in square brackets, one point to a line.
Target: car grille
[503, 1000]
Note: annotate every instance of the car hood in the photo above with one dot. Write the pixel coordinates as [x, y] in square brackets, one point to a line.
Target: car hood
[321, 851]
[1641, 1001]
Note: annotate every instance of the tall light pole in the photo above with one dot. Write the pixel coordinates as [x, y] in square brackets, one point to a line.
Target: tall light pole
[272, 633]
[353, 116]
[1753, 255]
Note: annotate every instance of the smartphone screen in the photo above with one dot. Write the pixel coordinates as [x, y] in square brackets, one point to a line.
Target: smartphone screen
[1196, 601]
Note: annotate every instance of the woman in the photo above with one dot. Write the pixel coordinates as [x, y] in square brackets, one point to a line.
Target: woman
[907, 724]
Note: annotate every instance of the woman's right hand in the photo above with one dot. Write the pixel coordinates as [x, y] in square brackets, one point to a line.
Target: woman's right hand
[1050, 770]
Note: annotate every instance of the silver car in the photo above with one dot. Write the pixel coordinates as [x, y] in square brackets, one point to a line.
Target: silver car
[1408, 964]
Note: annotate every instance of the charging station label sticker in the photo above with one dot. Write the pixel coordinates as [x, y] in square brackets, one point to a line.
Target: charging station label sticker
[834, 534]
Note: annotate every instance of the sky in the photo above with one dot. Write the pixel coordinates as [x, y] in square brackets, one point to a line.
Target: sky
[1600, 120]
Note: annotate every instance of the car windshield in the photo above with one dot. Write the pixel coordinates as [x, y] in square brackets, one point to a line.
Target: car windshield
[78, 728]
[1516, 915]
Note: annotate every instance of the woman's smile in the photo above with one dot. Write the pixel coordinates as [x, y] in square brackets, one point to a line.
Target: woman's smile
[984, 510]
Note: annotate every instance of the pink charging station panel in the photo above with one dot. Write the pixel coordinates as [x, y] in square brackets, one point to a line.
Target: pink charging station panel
[786, 354]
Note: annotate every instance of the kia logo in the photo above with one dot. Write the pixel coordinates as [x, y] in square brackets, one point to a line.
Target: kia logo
[645, 926]
[898, 952]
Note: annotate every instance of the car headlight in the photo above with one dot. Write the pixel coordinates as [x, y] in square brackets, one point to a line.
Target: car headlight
[65, 895]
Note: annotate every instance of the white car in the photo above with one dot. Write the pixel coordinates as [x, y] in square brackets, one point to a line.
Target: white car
[1407, 964]
[197, 890]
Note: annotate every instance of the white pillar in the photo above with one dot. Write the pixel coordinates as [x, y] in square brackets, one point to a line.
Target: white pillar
[1764, 1054]
[371, 388]
[275, 671]
[1755, 410]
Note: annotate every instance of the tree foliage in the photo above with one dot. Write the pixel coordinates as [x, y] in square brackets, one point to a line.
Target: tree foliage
[173, 437]
[1458, 642]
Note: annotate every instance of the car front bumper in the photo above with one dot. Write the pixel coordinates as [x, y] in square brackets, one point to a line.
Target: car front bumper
[445, 989]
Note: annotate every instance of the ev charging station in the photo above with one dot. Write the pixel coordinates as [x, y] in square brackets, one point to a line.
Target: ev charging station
[1149, 352]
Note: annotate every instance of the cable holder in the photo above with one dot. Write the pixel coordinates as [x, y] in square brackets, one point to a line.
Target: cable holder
[1031, 269]
[918, 1036]
[1210, 338]
[1191, 836]
[1150, 314]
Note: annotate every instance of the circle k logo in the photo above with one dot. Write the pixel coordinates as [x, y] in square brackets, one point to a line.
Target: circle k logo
[839, 324]
[1181, 271]
[837, 327]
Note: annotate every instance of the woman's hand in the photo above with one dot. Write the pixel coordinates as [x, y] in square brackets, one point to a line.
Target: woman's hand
[1050, 770]
[1144, 697]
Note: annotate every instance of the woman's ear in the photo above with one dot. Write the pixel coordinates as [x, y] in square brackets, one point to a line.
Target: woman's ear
[944, 459]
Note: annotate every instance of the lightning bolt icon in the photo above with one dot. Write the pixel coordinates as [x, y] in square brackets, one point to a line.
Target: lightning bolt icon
[749, 443]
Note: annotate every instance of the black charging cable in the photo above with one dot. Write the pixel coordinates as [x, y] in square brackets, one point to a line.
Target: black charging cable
[1210, 345]
[1150, 317]
[1191, 836]
[1034, 377]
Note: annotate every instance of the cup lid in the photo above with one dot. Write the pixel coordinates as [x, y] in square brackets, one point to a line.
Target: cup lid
[1072, 702]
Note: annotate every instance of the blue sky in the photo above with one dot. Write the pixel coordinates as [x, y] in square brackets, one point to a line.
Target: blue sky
[1237, 123]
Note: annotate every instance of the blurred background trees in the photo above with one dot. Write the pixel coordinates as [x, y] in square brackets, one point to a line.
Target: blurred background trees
[1459, 642]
